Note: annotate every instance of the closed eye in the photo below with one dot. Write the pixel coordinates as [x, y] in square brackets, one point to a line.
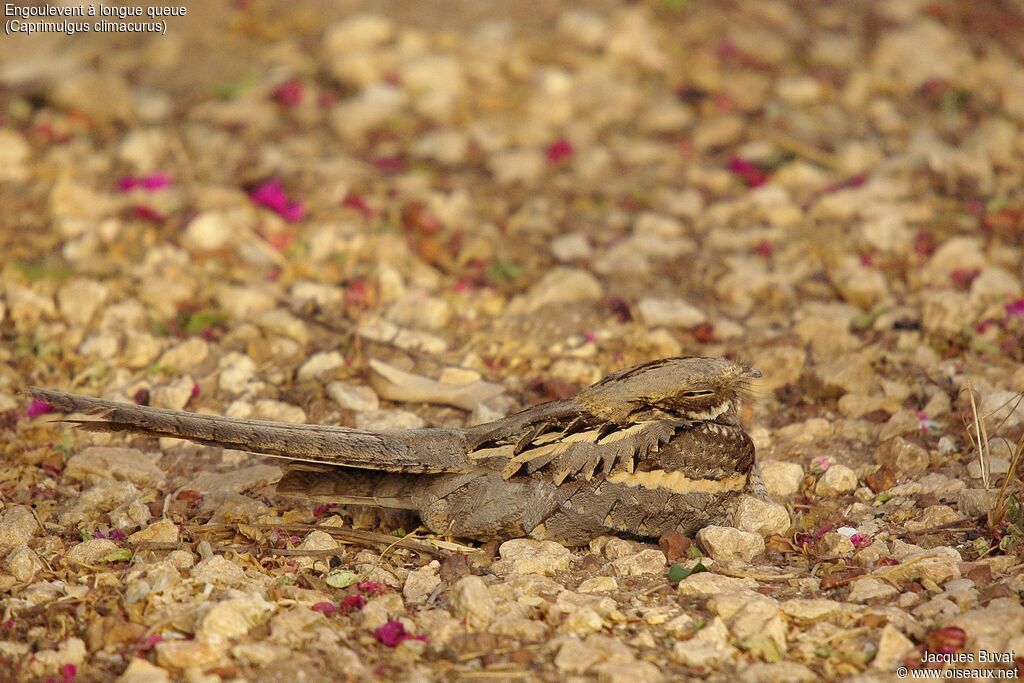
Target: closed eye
[697, 394]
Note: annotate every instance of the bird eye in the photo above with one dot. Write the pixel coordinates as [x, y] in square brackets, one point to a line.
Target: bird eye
[698, 393]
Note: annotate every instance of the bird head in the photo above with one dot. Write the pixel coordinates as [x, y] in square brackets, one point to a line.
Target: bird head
[692, 388]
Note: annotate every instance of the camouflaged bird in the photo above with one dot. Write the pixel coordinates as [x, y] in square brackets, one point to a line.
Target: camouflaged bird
[653, 448]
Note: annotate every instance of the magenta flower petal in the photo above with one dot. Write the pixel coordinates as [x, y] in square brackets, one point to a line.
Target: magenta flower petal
[393, 634]
[37, 408]
[751, 173]
[326, 608]
[1015, 309]
[272, 195]
[156, 181]
[559, 149]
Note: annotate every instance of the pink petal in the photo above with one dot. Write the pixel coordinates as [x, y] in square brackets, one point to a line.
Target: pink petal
[37, 408]
[560, 149]
[328, 609]
[289, 93]
[1015, 309]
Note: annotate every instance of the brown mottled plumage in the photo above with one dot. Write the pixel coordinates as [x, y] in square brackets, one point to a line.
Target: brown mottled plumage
[648, 449]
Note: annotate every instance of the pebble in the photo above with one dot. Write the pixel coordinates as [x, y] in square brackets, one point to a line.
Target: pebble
[837, 480]
[235, 481]
[472, 602]
[573, 246]
[320, 364]
[527, 556]
[868, 589]
[727, 544]
[558, 286]
[215, 229]
[644, 562]
[708, 648]
[23, 564]
[669, 313]
[708, 583]
[218, 571]
[782, 479]
[761, 517]
[232, 618]
[376, 420]
[164, 531]
[778, 672]
[174, 395]
[812, 610]
[351, 396]
[90, 552]
[420, 583]
[974, 503]
[892, 647]
[80, 298]
[17, 526]
[141, 671]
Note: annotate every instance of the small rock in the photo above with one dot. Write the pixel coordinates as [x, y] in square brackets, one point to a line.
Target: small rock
[892, 647]
[706, 583]
[377, 420]
[761, 517]
[164, 531]
[215, 229]
[129, 464]
[71, 652]
[420, 583]
[836, 480]
[932, 517]
[22, 563]
[938, 564]
[868, 589]
[174, 395]
[141, 671]
[571, 247]
[185, 355]
[782, 479]
[833, 545]
[598, 584]
[996, 466]
[560, 285]
[353, 396]
[218, 571]
[235, 481]
[320, 364]
[669, 313]
[628, 672]
[187, 654]
[471, 601]
[17, 526]
[811, 610]
[726, 544]
[708, 648]
[232, 618]
[644, 562]
[527, 556]
[778, 672]
[976, 502]
[906, 456]
[90, 552]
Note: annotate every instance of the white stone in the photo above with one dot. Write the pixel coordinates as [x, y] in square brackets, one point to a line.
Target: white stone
[471, 601]
[669, 313]
[528, 556]
[761, 517]
[782, 479]
[320, 364]
[420, 583]
[353, 396]
[836, 480]
[728, 544]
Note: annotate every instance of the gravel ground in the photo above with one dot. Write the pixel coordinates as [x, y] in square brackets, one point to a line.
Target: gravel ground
[276, 207]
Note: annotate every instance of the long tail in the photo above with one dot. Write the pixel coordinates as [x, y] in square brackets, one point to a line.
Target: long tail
[413, 450]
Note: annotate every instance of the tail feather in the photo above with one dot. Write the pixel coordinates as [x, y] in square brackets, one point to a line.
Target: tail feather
[417, 450]
[351, 487]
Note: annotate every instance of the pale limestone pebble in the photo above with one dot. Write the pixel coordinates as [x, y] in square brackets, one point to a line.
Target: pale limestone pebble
[70, 652]
[666, 115]
[522, 165]
[574, 370]
[559, 286]
[23, 563]
[528, 556]
[868, 589]
[710, 647]
[933, 516]
[780, 365]
[621, 258]
[613, 547]
[906, 456]
[764, 518]
[173, 395]
[707, 583]
[218, 571]
[189, 654]
[993, 286]
[445, 146]
[718, 131]
[233, 617]
[1001, 408]
[142, 671]
[837, 480]
[648, 561]
[834, 545]
[892, 647]
[14, 153]
[946, 488]
[215, 229]
[577, 656]
[939, 565]
[380, 610]
[320, 364]
[316, 541]
[582, 621]
[727, 544]
[937, 610]
[281, 322]
[376, 420]
[259, 654]
[17, 525]
[80, 298]
[104, 496]
[358, 32]
[782, 479]
[417, 310]
[243, 303]
[598, 584]
[976, 502]
[420, 583]
[946, 313]
[471, 602]
[131, 515]
[91, 552]
[238, 374]
[751, 616]
[237, 480]
[669, 313]
[378, 329]
[825, 327]
[887, 233]
[371, 108]
[163, 531]
[859, 284]
[812, 610]
[102, 346]
[6, 401]
[573, 246]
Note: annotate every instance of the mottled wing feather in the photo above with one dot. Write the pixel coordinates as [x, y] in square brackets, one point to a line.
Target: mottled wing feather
[582, 454]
